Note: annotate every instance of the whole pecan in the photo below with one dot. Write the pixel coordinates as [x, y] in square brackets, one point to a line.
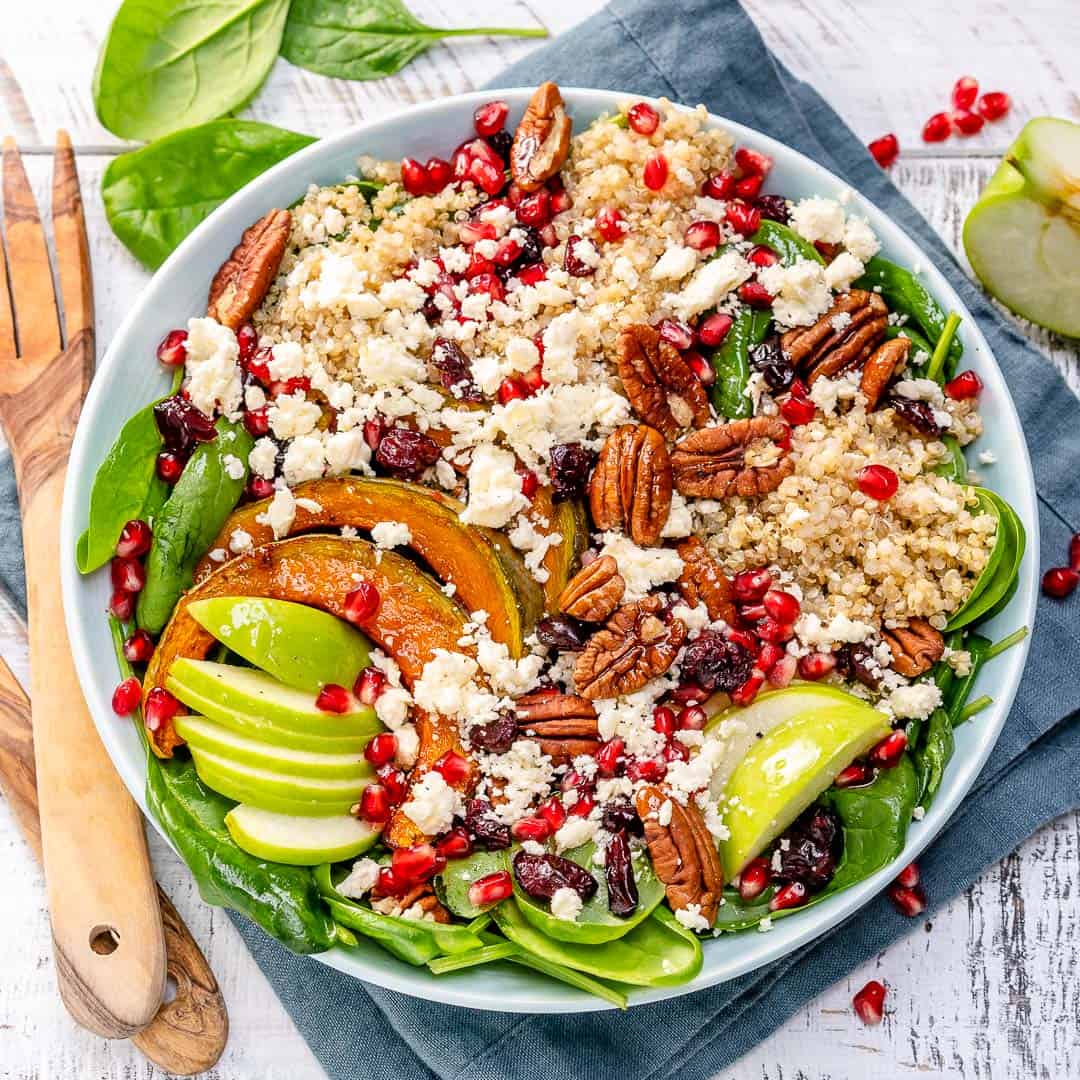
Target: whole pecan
[542, 139]
[564, 725]
[842, 338]
[422, 894]
[630, 487]
[915, 648]
[635, 646]
[683, 853]
[718, 462]
[594, 592]
[651, 369]
[702, 581]
[882, 364]
[242, 282]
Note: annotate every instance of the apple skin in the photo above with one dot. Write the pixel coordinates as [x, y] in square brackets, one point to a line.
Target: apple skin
[298, 841]
[302, 646]
[785, 771]
[1022, 237]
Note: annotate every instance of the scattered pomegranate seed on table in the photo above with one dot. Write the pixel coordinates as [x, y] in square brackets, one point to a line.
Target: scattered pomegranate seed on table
[869, 1003]
[937, 129]
[333, 699]
[964, 92]
[885, 150]
[909, 876]
[1074, 552]
[967, 123]
[994, 105]
[910, 902]
[126, 697]
[1060, 581]
[643, 118]
[878, 482]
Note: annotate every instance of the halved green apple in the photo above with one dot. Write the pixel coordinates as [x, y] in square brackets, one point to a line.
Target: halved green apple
[299, 841]
[1023, 235]
[304, 647]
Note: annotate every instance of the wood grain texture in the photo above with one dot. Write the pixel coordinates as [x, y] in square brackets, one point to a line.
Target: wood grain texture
[990, 992]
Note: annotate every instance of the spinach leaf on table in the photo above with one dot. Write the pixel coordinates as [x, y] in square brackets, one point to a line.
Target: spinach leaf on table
[155, 196]
[167, 65]
[366, 39]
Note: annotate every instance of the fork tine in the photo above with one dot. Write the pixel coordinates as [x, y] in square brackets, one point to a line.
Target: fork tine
[36, 319]
[69, 236]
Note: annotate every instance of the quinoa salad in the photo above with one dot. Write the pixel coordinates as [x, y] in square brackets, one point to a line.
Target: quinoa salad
[553, 554]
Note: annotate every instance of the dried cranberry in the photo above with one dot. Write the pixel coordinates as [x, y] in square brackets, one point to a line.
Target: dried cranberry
[714, 663]
[561, 633]
[918, 414]
[813, 849]
[769, 359]
[619, 875]
[501, 142]
[542, 876]
[571, 464]
[857, 661]
[773, 207]
[496, 736]
[455, 371]
[405, 452]
[620, 815]
[572, 262]
[490, 833]
[182, 425]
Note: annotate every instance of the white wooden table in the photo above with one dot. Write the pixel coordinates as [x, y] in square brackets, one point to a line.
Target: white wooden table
[991, 991]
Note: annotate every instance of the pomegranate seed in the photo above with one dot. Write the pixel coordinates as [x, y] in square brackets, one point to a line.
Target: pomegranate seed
[663, 721]
[789, 896]
[1074, 552]
[783, 671]
[816, 665]
[548, 236]
[259, 487]
[749, 187]
[375, 804]
[489, 118]
[161, 707]
[414, 177]
[560, 202]
[888, 752]
[374, 430]
[938, 128]
[387, 884]
[456, 844]
[247, 341]
[439, 174]
[753, 162]
[762, 255]
[394, 781]
[530, 482]
[768, 629]
[750, 586]
[139, 647]
[994, 106]
[798, 389]
[714, 329]
[453, 767]
[488, 177]
[745, 694]
[643, 118]
[720, 185]
[572, 779]
[609, 756]
[747, 641]
[126, 697]
[134, 540]
[885, 150]
[416, 863]
[964, 92]
[855, 774]
[553, 812]
[743, 218]
[967, 123]
[692, 718]
[122, 605]
[478, 265]
[471, 231]
[655, 173]
[531, 828]
[535, 209]
[754, 879]
[169, 466]
[869, 1003]
[333, 699]
[1060, 581]
[648, 769]
[534, 380]
[690, 694]
[491, 889]
[966, 385]
[770, 656]
[127, 574]
[507, 251]
[878, 482]
[172, 351]
[511, 389]
[362, 602]
[610, 224]
[258, 366]
[909, 876]
[382, 748]
[531, 274]
[755, 294]
[702, 235]
[676, 751]
[700, 367]
[257, 422]
[487, 283]
[782, 606]
[676, 333]
[909, 902]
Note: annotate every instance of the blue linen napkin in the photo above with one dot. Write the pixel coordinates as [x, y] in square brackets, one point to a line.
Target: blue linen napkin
[709, 51]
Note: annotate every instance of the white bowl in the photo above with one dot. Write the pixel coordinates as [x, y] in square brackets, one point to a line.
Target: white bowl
[128, 377]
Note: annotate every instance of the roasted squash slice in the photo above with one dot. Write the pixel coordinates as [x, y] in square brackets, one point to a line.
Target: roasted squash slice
[561, 561]
[488, 572]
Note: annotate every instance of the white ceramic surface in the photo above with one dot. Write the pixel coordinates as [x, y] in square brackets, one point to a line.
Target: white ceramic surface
[129, 377]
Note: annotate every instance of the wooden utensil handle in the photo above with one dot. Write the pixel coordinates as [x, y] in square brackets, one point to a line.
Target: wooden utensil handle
[106, 923]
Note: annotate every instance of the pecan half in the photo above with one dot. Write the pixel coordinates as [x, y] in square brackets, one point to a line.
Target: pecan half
[718, 462]
[683, 853]
[651, 369]
[882, 364]
[241, 284]
[630, 488]
[702, 581]
[564, 725]
[833, 344]
[594, 592]
[542, 139]
[635, 646]
[424, 895]
[915, 648]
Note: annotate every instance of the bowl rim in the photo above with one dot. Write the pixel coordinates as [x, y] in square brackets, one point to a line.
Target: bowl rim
[536, 996]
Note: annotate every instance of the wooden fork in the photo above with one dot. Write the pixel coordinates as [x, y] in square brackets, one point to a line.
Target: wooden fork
[107, 931]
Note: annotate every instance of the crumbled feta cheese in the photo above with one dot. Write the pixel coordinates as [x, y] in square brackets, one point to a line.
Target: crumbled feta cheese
[576, 831]
[859, 238]
[234, 467]
[494, 488]
[987, 457]
[676, 262]
[213, 374]
[217, 555]
[522, 775]
[432, 804]
[240, 541]
[711, 284]
[817, 219]
[680, 520]
[448, 686]
[346, 451]
[263, 458]
[800, 292]
[254, 397]
[691, 917]
[565, 904]
[390, 534]
[842, 271]
[281, 512]
[286, 360]
[915, 701]
[292, 414]
[304, 459]
[641, 568]
[361, 879]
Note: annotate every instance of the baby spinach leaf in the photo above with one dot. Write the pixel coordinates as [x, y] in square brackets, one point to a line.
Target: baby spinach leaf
[155, 196]
[167, 65]
[366, 39]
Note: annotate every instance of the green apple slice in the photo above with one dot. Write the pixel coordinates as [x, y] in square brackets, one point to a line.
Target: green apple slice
[298, 841]
[786, 770]
[260, 707]
[207, 735]
[303, 647]
[1023, 235]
